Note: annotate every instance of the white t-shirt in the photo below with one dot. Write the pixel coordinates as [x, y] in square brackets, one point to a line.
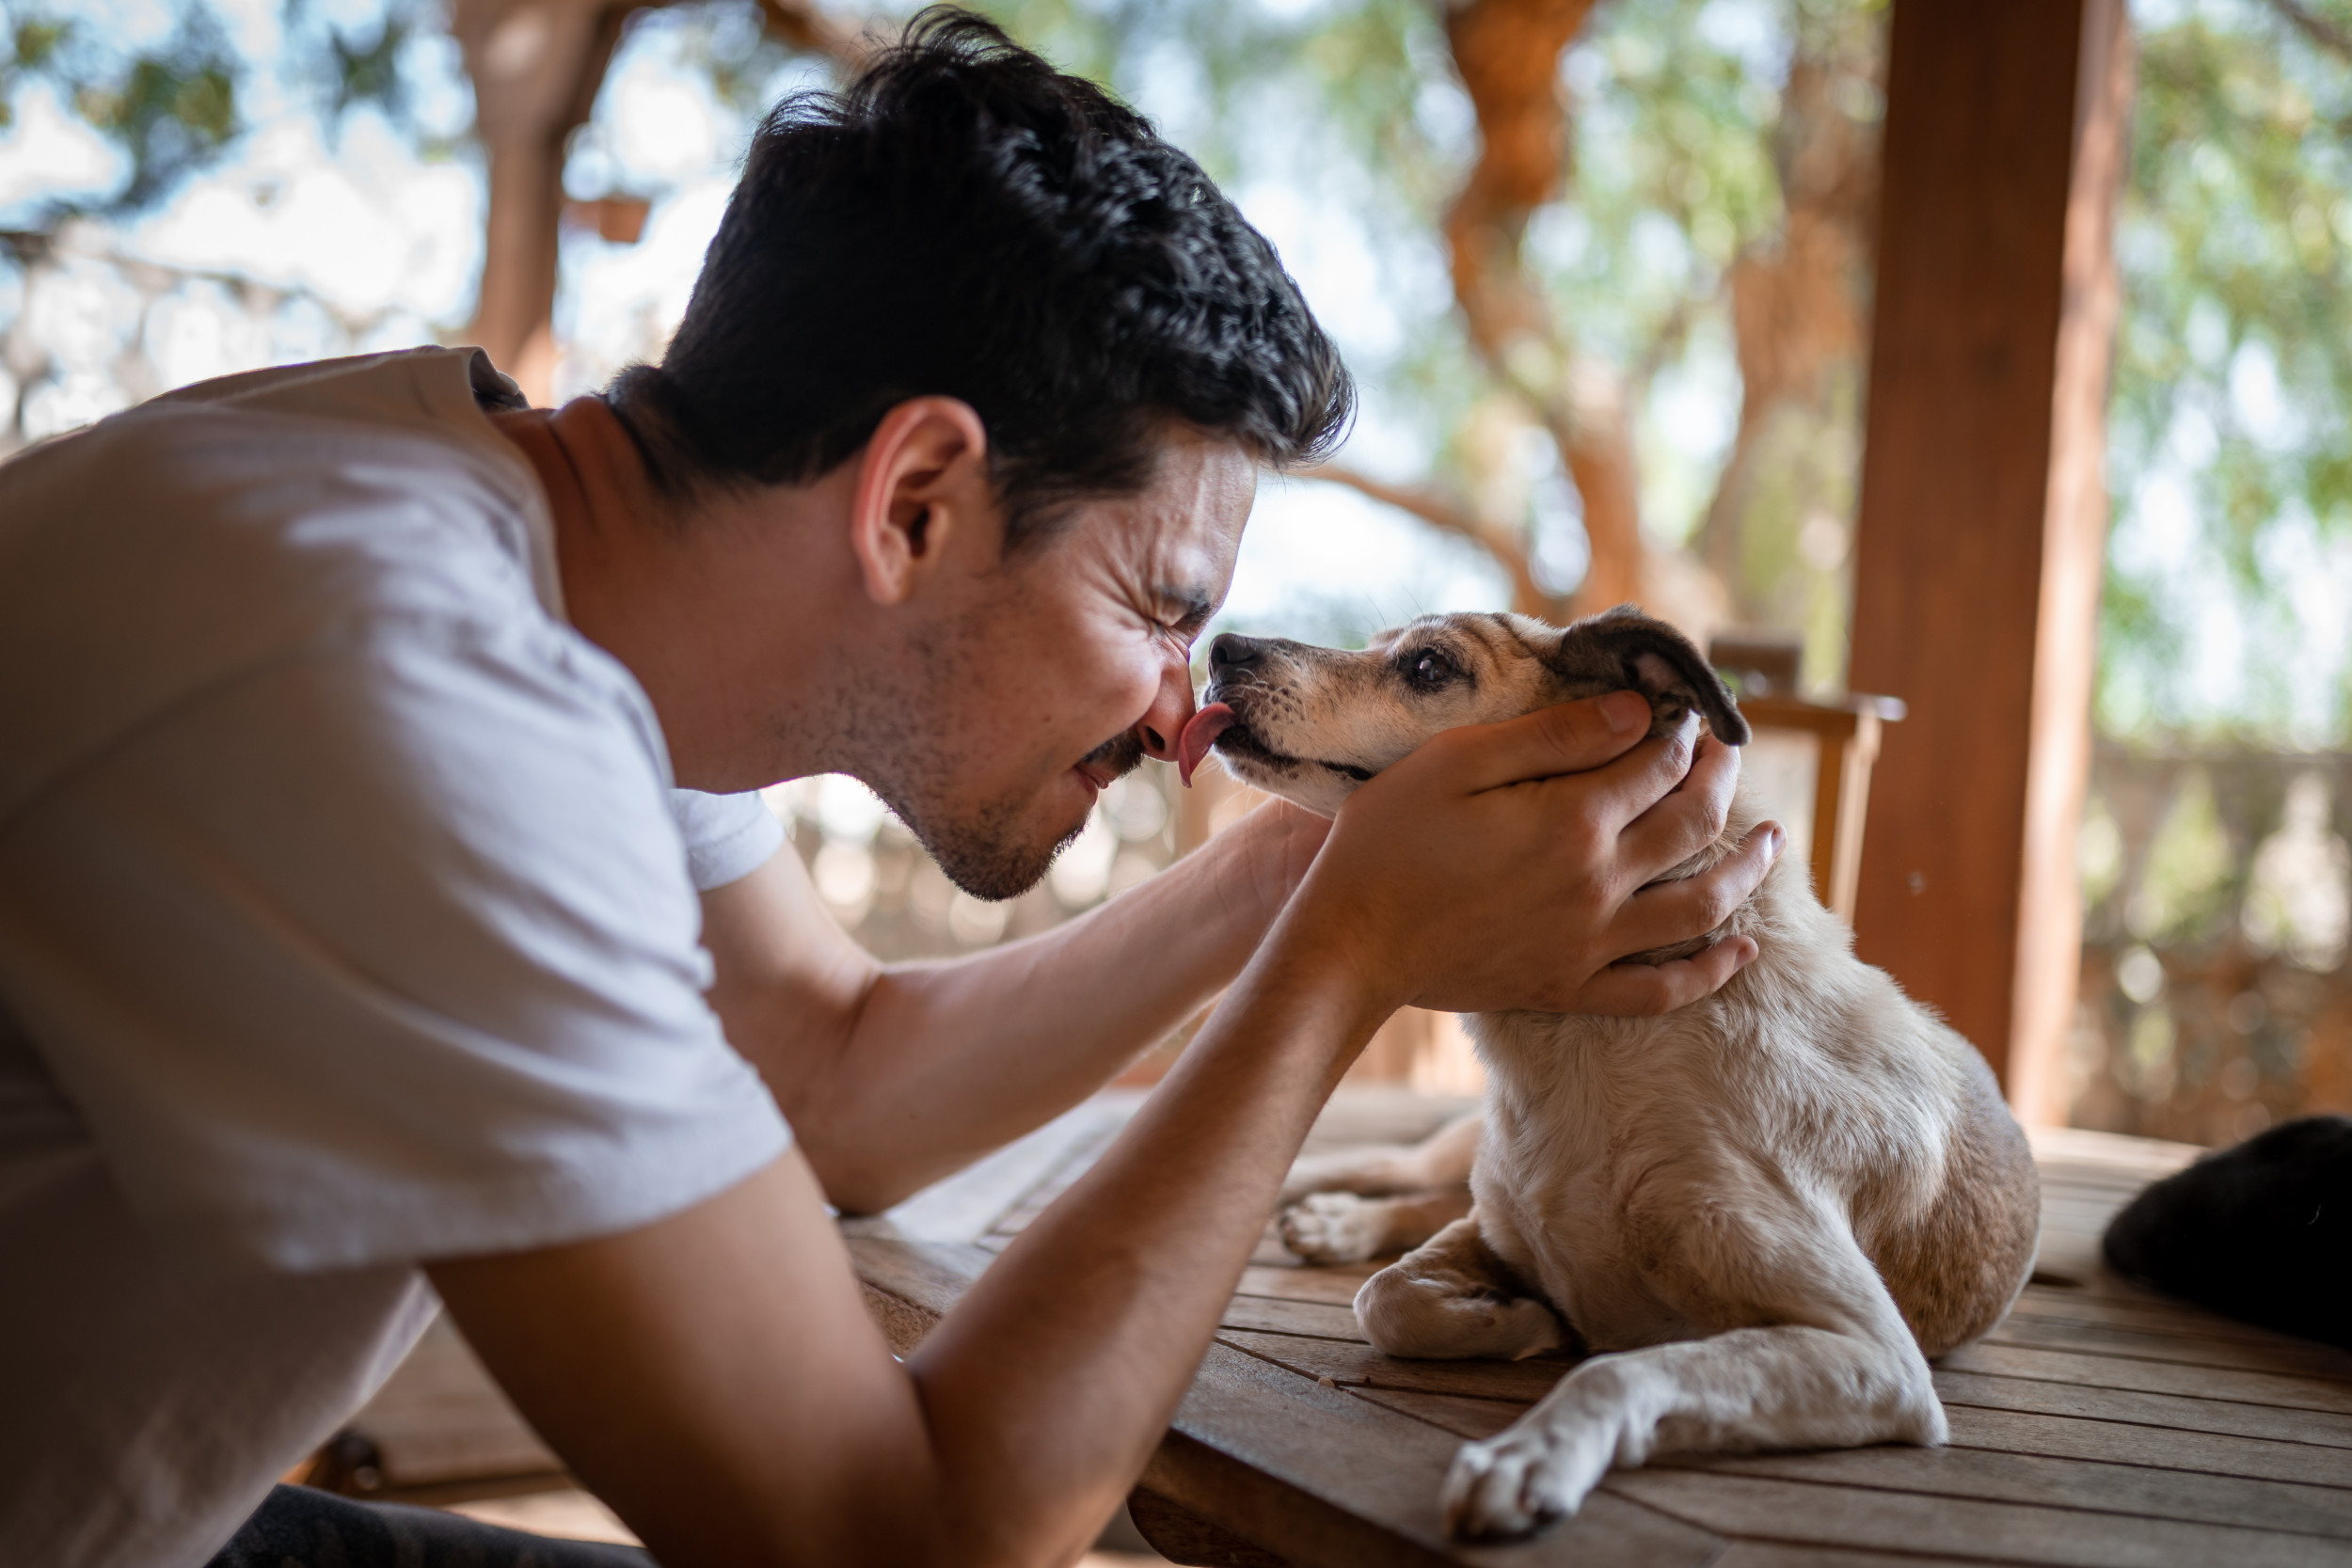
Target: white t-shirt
[347, 919]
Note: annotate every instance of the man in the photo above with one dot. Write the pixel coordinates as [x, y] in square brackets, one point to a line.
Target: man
[349, 935]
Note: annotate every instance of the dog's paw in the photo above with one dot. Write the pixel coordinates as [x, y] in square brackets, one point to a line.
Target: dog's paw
[1513, 1485]
[1334, 1227]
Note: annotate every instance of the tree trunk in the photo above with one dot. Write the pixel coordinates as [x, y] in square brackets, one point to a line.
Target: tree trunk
[1799, 298]
[537, 66]
[1508, 54]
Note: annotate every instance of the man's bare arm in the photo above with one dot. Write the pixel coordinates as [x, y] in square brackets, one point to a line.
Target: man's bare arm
[896, 1077]
[713, 1377]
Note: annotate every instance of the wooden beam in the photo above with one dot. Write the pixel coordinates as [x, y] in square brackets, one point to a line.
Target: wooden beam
[1983, 511]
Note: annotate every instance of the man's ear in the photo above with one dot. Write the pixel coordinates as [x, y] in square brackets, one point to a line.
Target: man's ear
[922, 481]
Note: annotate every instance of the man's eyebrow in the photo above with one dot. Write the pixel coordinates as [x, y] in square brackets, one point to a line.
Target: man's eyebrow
[1191, 607]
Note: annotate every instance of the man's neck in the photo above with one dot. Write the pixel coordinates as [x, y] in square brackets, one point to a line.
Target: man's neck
[689, 599]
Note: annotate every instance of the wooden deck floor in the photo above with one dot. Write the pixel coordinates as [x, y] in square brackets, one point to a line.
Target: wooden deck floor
[2098, 1424]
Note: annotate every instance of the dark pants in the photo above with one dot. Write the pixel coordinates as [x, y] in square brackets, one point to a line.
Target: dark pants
[302, 1528]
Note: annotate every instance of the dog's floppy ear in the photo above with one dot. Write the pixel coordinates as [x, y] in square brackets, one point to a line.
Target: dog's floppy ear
[1652, 657]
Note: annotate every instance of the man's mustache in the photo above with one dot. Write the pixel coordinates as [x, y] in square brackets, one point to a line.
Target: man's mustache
[1120, 755]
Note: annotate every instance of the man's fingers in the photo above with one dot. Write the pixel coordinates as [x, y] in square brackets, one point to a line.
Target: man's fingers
[1567, 737]
[1639, 990]
[1670, 912]
[1678, 822]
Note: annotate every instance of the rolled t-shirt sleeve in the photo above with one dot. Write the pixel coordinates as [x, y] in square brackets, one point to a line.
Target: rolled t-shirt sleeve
[727, 836]
[385, 951]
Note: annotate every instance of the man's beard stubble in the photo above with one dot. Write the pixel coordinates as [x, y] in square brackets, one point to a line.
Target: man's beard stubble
[987, 848]
[986, 851]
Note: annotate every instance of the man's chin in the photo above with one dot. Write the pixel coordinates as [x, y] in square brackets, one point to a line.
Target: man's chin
[991, 873]
[1000, 854]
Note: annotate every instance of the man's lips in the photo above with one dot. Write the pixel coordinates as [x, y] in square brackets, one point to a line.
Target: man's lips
[1200, 735]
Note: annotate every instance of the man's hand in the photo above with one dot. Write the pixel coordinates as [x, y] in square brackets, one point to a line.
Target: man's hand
[1511, 866]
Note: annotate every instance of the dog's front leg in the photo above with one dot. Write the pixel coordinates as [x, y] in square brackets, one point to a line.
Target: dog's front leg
[1454, 1297]
[1856, 1378]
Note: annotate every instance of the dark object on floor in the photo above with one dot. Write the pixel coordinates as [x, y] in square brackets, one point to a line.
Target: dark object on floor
[300, 1527]
[2261, 1232]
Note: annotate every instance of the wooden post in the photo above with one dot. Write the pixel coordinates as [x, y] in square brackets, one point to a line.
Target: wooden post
[1983, 511]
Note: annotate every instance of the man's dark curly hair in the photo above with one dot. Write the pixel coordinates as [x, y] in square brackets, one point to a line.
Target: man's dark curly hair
[965, 220]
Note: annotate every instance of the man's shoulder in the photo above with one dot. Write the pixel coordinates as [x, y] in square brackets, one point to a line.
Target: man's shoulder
[283, 483]
[168, 550]
[428, 405]
[436, 382]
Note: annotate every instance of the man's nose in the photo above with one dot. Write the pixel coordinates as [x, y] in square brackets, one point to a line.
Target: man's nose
[1232, 651]
[1170, 711]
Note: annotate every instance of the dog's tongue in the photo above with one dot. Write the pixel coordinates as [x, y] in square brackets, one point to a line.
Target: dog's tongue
[1200, 735]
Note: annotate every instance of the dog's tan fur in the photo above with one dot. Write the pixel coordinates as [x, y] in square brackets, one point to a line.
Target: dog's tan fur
[1775, 1204]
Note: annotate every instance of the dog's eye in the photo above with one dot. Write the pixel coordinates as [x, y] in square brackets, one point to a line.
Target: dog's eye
[1428, 668]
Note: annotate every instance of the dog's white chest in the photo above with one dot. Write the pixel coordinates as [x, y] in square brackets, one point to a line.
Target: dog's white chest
[1576, 1150]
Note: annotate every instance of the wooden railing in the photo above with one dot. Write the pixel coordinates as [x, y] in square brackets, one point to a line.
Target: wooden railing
[2215, 998]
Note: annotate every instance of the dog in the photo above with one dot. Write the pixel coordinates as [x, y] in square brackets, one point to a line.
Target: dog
[1759, 1216]
[2262, 1232]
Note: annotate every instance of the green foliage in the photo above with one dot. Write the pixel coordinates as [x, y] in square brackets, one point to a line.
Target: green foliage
[1672, 173]
[2233, 374]
[362, 70]
[171, 106]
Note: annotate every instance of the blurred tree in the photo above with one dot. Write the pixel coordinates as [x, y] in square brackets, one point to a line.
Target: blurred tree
[1586, 225]
[170, 106]
[2231, 431]
[536, 67]
[1634, 177]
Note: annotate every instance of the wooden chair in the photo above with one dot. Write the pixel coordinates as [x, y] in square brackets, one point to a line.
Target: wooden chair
[1842, 737]
[1811, 760]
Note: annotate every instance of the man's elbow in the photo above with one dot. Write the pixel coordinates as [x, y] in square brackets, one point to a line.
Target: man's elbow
[856, 1186]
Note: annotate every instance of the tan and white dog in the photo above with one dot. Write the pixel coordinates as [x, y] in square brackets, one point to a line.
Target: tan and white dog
[1760, 1215]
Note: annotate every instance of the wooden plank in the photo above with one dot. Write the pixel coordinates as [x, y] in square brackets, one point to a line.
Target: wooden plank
[1454, 1413]
[1269, 1512]
[1977, 546]
[2217, 1479]
[2112, 1440]
[440, 1417]
[2079, 1148]
[2152, 1377]
[1180, 1535]
[2169, 1411]
[1335, 1286]
[2031, 1332]
[1985, 1476]
[1771, 1553]
[2084, 1213]
[1799, 1514]
[1349, 1365]
[1078, 1162]
[2159, 1447]
[1302, 1470]
[968, 1204]
[910, 1285]
[2149, 1313]
[1314, 1319]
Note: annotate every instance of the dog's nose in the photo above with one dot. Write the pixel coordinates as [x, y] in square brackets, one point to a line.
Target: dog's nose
[1232, 651]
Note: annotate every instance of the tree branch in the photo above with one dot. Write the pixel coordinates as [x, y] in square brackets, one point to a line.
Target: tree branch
[819, 31]
[2331, 36]
[1448, 515]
